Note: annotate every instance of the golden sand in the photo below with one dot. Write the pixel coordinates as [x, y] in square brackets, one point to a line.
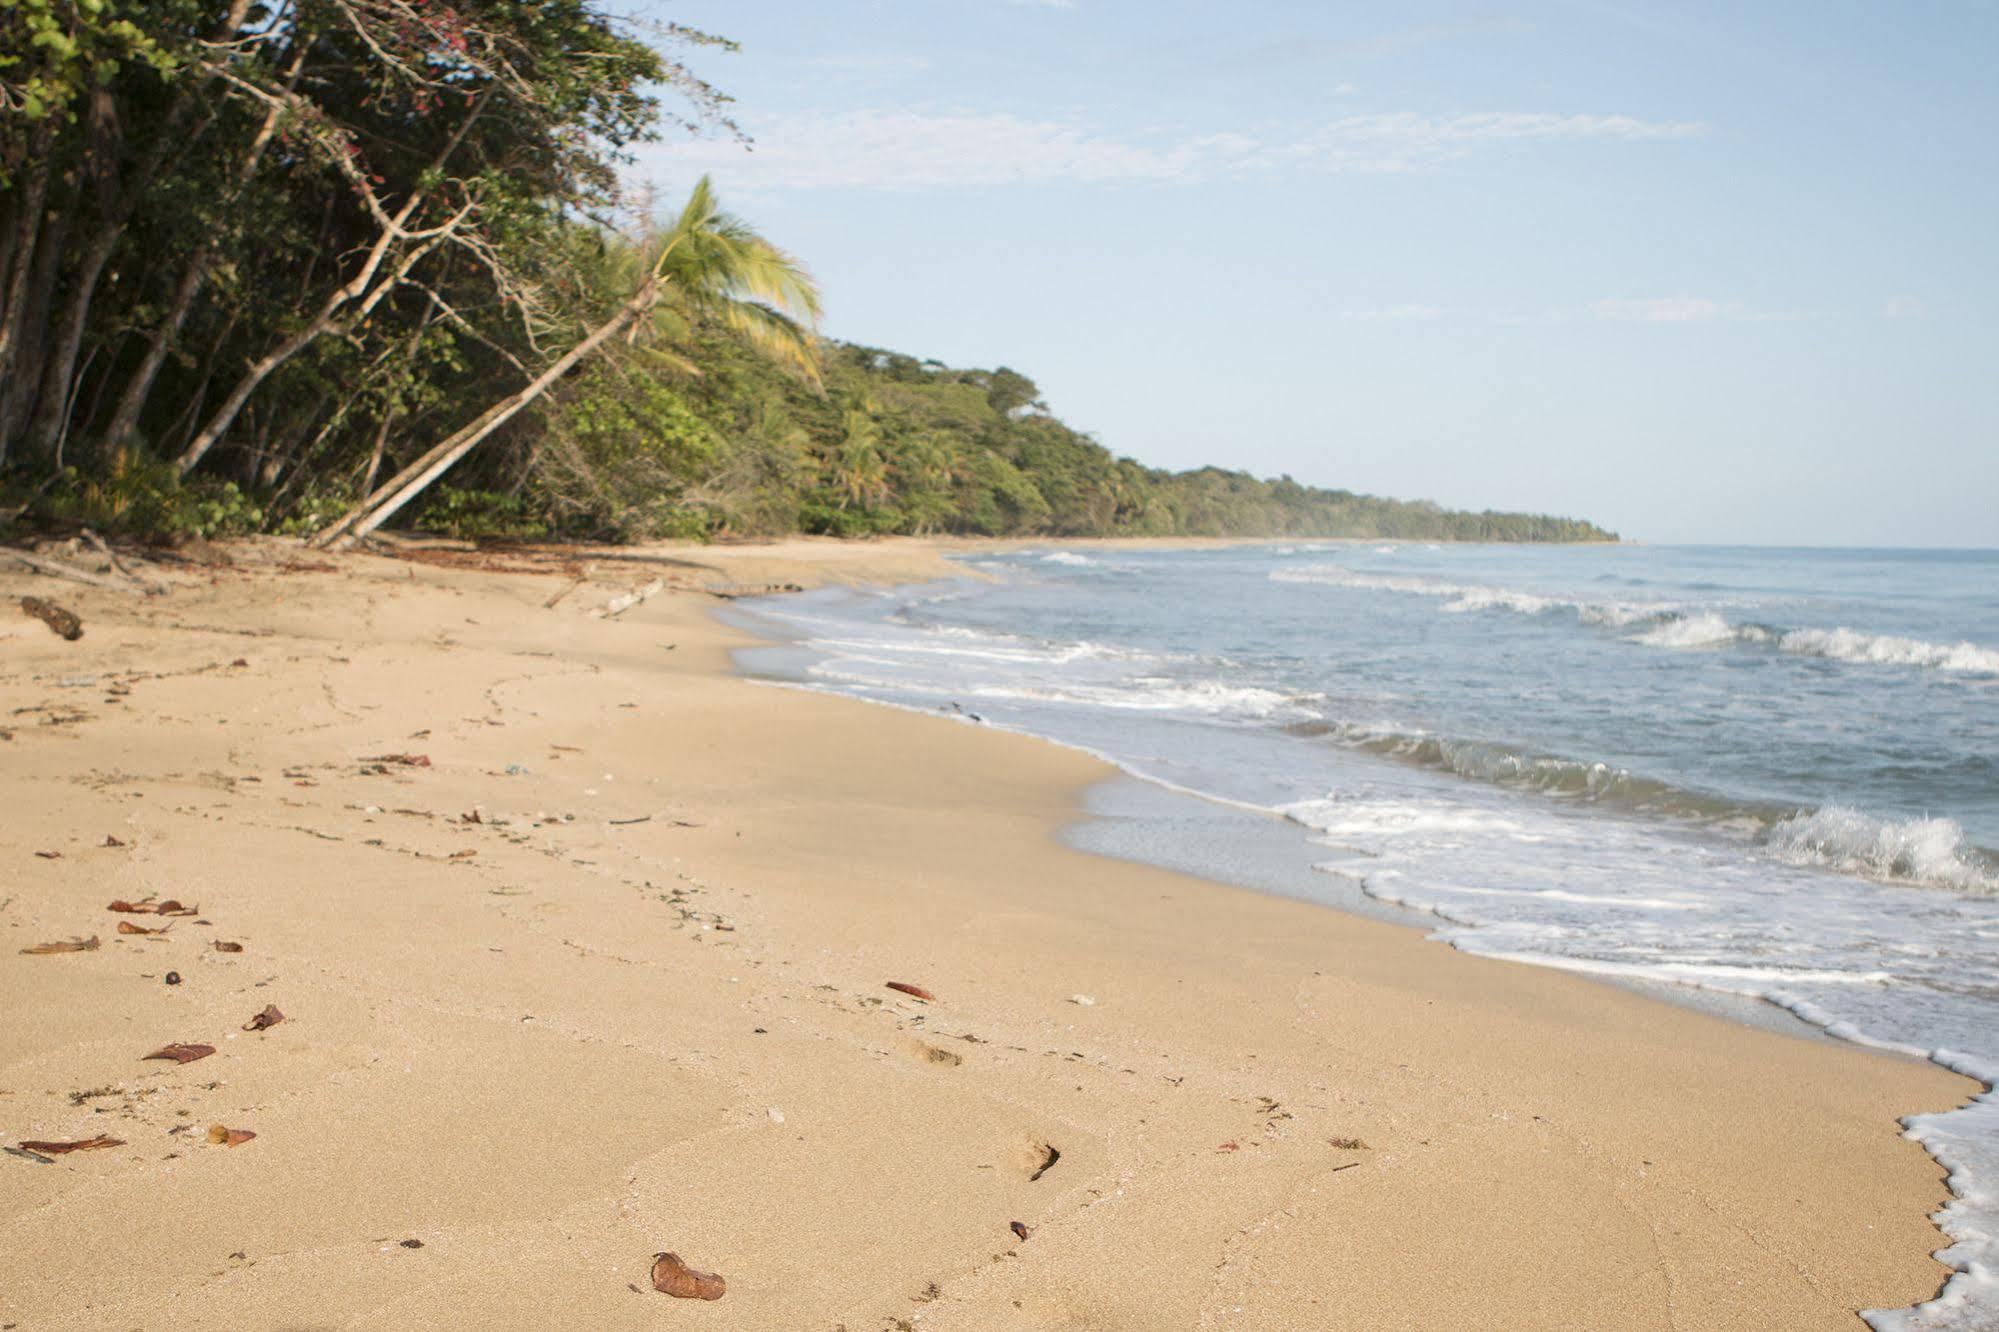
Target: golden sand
[603, 976]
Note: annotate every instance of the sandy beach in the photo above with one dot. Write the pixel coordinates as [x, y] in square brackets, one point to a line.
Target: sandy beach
[580, 943]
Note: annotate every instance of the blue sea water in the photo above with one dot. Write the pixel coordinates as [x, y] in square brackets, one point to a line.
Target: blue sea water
[1773, 773]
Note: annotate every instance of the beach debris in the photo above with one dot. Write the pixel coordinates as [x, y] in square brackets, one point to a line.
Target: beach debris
[227, 946]
[48, 855]
[1230, 1146]
[1050, 1154]
[109, 840]
[411, 1243]
[671, 1276]
[148, 907]
[96, 1144]
[62, 623]
[182, 1053]
[401, 760]
[913, 991]
[127, 927]
[1348, 1144]
[1086, 1000]
[173, 978]
[516, 770]
[618, 605]
[1019, 1228]
[776, 1115]
[265, 1020]
[64, 946]
[221, 1135]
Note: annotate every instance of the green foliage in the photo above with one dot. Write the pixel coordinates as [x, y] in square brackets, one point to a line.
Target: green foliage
[147, 499]
[473, 514]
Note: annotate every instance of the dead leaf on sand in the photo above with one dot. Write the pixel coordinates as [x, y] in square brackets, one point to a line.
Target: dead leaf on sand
[182, 1053]
[402, 760]
[49, 855]
[96, 1144]
[226, 946]
[1019, 1229]
[270, 1017]
[913, 991]
[220, 1135]
[65, 946]
[672, 1277]
[127, 927]
[148, 907]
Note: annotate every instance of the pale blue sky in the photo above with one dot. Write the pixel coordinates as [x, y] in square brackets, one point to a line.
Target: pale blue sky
[1700, 272]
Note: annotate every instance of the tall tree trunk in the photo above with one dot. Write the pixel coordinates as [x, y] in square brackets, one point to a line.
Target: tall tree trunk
[27, 230]
[132, 402]
[18, 387]
[170, 141]
[407, 484]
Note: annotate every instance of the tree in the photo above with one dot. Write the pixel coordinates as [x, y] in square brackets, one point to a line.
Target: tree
[708, 264]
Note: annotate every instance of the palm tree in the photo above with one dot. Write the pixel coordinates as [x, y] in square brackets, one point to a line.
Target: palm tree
[708, 264]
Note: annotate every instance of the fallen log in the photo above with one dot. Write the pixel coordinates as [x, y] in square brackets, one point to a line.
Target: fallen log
[62, 623]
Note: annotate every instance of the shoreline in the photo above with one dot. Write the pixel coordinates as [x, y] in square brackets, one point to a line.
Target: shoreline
[1542, 1148]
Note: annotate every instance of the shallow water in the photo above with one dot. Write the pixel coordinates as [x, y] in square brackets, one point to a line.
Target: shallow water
[1763, 773]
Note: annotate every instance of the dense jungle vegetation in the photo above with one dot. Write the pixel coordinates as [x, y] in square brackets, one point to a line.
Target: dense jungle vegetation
[314, 265]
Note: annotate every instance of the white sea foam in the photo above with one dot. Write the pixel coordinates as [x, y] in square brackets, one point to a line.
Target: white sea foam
[1840, 837]
[1670, 625]
[1690, 631]
[1065, 557]
[1888, 650]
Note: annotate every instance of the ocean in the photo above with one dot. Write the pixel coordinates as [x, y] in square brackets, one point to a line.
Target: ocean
[1764, 773]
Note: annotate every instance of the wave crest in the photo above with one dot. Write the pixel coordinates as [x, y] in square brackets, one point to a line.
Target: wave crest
[1919, 850]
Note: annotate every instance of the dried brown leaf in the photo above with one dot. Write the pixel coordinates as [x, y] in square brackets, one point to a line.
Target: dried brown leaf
[404, 760]
[96, 1144]
[49, 855]
[1019, 1229]
[172, 908]
[144, 908]
[127, 927]
[64, 946]
[220, 1135]
[913, 991]
[270, 1017]
[227, 946]
[672, 1277]
[182, 1053]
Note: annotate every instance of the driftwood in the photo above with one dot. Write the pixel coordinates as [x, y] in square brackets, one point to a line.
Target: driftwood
[62, 623]
[618, 605]
[103, 547]
[56, 570]
[731, 591]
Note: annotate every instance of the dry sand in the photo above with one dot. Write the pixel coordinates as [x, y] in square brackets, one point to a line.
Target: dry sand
[552, 1041]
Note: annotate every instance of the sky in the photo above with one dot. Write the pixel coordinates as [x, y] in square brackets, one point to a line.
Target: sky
[1698, 272]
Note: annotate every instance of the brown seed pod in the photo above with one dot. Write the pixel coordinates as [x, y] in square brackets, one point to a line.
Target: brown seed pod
[672, 1277]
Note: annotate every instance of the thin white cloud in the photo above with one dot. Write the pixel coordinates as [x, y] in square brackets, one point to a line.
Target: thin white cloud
[1397, 314]
[1684, 310]
[1660, 309]
[913, 150]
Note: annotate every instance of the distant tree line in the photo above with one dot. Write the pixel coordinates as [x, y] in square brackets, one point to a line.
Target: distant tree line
[308, 265]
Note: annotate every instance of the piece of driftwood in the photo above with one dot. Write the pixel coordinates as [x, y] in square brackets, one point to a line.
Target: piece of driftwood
[730, 592]
[62, 623]
[103, 548]
[618, 605]
[55, 569]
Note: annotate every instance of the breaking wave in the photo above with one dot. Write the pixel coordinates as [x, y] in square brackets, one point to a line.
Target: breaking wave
[1669, 625]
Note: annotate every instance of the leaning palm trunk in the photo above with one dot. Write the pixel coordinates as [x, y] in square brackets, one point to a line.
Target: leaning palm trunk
[413, 480]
